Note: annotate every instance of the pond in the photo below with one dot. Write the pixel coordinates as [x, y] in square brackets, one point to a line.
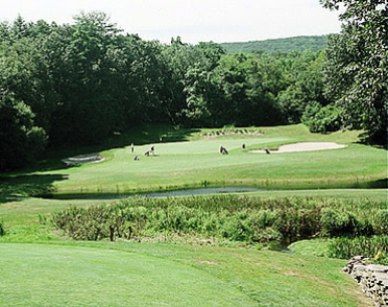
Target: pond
[203, 191]
[187, 192]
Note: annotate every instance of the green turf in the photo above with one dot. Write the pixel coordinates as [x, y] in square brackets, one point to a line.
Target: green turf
[168, 274]
[316, 247]
[70, 276]
[198, 163]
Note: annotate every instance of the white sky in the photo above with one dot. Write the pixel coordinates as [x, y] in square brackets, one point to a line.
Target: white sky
[193, 20]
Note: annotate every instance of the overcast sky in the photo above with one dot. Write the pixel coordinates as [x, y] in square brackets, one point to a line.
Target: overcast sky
[193, 20]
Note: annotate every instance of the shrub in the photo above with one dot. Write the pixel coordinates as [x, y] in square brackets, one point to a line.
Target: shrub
[295, 223]
[266, 235]
[231, 217]
[373, 247]
[20, 140]
[327, 119]
[336, 223]
[381, 222]
[310, 111]
[83, 224]
[263, 219]
[2, 229]
[211, 225]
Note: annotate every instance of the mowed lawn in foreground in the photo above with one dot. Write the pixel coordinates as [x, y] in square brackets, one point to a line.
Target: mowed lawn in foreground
[56, 271]
[198, 163]
[52, 275]
[103, 274]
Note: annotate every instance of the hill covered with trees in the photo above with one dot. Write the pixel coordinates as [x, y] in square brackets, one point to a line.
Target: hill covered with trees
[280, 45]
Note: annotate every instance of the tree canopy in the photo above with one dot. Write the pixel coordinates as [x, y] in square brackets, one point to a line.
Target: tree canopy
[279, 45]
[356, 73]
[79, 83]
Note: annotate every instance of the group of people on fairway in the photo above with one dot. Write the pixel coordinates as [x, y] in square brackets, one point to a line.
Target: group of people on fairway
[222, 150]
[147, 153]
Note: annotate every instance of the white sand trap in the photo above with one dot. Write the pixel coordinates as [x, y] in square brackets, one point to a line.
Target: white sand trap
[305, 146]
[88, 158]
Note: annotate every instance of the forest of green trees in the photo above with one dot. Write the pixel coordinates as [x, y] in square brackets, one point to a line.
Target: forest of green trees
[78, 83]
[279, 45]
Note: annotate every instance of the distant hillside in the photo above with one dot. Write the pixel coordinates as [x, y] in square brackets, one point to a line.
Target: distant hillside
[283, 45]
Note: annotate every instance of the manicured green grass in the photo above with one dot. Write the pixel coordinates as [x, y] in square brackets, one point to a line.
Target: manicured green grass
[198, 163]
[316, 247]
[69, 276]
[168, 274]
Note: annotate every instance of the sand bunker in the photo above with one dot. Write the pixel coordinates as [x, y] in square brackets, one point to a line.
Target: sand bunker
[306, 146]
[88, 158]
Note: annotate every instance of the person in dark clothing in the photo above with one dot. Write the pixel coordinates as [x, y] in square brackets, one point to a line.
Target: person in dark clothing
[223, 150]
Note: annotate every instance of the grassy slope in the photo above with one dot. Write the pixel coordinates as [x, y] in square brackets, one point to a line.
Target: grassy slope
[316, 247]
[90, 276]
[233, 275]
[196, 163]
[172, 274]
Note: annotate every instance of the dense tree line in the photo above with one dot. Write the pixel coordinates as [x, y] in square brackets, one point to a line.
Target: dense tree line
[78, 83]
[279, 45]
[356, 71]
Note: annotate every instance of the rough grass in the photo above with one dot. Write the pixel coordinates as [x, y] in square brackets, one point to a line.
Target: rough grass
[22, 217]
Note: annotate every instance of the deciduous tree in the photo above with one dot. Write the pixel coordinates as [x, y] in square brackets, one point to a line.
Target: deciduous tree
[357, 69]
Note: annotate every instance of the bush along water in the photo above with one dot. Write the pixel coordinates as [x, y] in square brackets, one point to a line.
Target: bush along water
[374, 247]
[235, 218]
[2, 229]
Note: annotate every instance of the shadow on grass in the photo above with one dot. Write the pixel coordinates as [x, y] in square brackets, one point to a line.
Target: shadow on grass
[375, 184]
[14, 188]
[378, 184]
[379, 141]
[153, 134]
[146, 134]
